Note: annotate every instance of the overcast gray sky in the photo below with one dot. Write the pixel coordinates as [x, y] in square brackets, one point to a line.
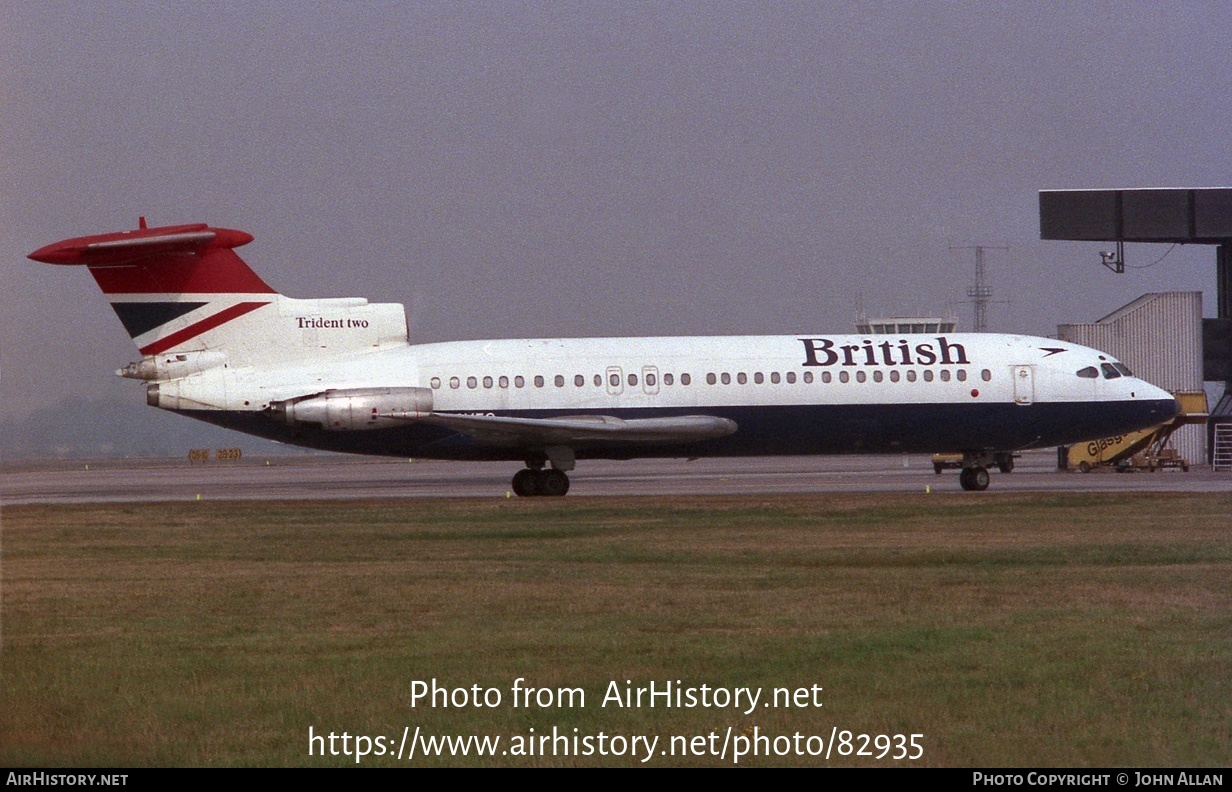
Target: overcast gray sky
[551, 169]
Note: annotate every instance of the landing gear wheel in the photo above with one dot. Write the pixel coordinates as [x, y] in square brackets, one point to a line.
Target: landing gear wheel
[529, 483]
[526, 483]
[974, 479]
[553, 483]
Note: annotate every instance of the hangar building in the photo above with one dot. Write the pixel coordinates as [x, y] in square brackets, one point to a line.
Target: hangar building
[1159, 336]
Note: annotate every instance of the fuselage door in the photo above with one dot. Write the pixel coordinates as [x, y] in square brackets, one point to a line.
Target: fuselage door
[615, 380]
[1024, 384]
[650, 380]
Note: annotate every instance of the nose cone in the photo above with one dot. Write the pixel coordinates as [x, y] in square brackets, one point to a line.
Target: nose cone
[1159, 404]
[1179, 408]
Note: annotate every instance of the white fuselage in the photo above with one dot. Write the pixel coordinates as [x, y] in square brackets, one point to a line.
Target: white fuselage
[870, 393]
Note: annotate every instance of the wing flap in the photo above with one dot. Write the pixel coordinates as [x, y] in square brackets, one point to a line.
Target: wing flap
[579, 430]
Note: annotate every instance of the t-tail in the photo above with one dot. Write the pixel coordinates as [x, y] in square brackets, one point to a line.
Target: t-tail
[191, 304]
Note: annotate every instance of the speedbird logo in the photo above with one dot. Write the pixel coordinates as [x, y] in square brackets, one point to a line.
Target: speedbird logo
[824, 352]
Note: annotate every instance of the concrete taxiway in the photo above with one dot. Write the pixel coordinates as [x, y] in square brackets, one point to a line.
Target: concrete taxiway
[342, 477]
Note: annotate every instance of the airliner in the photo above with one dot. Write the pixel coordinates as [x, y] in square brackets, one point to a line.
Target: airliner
[218, 344]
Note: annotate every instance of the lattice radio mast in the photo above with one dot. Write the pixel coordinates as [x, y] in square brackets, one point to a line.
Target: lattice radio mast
[979, 294]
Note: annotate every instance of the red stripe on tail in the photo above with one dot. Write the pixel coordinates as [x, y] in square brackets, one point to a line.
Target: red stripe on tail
[194, 330]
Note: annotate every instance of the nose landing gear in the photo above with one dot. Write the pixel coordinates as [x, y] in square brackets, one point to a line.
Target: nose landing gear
[975, 464]
[974, 479]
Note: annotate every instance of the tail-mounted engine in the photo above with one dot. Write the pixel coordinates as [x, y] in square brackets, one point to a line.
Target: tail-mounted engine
[354, 409]
[173, 366]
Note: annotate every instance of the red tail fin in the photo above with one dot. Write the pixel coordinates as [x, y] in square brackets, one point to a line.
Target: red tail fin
[182, 290]
[172, 260]
[156, 277]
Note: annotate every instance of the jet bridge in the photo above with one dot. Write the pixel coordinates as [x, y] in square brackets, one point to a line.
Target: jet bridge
[1184, 216]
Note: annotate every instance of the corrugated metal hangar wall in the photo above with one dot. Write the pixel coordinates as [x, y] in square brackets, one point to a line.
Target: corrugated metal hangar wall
[1159, 336]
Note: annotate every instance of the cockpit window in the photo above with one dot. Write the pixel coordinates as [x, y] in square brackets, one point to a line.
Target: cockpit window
[1124, 369]
[1090, 372]
[1109, 370]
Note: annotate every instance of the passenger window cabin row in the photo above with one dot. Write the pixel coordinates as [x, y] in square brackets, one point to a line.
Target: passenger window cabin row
[614, 380]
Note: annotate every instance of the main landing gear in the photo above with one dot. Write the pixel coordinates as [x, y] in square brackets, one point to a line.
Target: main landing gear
[552, 483]
[537, 480]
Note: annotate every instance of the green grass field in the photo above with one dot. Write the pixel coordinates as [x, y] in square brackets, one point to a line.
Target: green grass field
[1044, 630]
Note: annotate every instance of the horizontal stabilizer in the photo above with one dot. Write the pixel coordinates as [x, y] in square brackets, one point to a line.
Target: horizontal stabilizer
[127, 246]
[579, 430]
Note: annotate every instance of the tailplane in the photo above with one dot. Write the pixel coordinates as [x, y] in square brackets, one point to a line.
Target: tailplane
[189, 302]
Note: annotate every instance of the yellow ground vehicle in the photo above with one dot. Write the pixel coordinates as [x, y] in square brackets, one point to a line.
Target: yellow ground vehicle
[1004, 462]
[1146, 449]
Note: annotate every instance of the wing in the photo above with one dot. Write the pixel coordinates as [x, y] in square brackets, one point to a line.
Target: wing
[579, 430]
